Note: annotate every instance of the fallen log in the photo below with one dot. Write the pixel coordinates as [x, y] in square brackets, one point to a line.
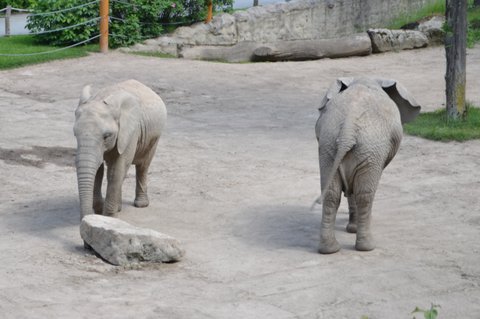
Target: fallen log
[299, 50]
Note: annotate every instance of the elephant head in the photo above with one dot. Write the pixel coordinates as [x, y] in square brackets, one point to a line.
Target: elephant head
[104, 124]
[407, 106]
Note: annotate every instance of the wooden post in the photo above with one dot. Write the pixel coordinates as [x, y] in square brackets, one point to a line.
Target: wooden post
[8, 14]
[209, 11]
[104, 26]
[456, 53]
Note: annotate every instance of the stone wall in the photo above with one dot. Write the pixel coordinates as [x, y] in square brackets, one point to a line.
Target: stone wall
[289, 21]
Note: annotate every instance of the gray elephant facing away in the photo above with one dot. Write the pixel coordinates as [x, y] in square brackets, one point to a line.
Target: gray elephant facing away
[359, 131]
[120, 125]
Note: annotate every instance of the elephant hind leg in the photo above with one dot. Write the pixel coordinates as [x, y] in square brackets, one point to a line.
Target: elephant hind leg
[365, 188]
[331, 202]
[352, 215]
[141, 171]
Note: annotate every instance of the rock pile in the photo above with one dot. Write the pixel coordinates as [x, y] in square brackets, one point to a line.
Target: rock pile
[298, 30]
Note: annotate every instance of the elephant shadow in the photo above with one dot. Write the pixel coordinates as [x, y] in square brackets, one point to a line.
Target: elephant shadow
[285, 227]
[52, 219]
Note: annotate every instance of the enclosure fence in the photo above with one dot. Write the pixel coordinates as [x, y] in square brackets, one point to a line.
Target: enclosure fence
[103, 25]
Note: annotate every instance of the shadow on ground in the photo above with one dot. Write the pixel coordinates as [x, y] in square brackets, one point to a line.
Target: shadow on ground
[284, 227]
[46, 219]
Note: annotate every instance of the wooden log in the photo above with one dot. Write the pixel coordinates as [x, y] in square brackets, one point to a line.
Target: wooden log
[299, 50]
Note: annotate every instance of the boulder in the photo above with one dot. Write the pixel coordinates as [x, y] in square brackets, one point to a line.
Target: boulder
[122, 244]
[384, 40]
[433, 29]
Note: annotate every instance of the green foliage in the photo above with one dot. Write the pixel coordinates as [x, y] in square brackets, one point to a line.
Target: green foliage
[435, 126]
[39, 23]
[20, 4]
[431, 313]
[130, 20]
[25, 44]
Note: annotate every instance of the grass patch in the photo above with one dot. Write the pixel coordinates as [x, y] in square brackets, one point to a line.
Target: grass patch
[25, 44]
[435, 126]
[153, 54]
[434, 8]
[437, 7]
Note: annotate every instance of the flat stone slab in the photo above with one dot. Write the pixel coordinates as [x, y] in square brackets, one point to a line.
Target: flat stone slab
[121, 243]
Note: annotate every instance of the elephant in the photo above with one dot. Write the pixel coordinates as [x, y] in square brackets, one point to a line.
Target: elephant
[120, 125]
[359, 131]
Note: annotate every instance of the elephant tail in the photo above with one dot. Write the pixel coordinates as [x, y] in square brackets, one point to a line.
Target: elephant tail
[345, 142]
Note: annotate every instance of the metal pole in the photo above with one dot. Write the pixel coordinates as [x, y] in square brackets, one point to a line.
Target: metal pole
[8, 14]
[104, 26]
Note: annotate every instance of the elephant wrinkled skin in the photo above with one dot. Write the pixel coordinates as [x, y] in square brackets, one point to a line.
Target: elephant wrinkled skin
[121, 126]
[359, 131]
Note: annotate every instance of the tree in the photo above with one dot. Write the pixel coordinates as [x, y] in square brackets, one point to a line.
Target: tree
[456, 52]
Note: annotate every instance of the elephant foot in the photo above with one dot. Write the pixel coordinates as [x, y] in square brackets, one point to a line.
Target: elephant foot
[328, 246]
[98, 206]
[351, 228]
[365, 244]
[141, 201]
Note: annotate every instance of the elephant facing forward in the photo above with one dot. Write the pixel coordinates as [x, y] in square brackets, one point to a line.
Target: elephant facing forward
[121, 126]
[359, 131]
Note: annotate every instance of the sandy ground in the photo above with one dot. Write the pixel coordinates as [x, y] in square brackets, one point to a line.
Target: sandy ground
[233, 179]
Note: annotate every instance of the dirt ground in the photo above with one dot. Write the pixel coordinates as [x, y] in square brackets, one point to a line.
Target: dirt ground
[233, 179]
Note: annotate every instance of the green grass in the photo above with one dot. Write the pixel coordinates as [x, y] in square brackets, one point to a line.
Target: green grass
[25, 44]
[434, 8]
[437, 7]
[434, 126]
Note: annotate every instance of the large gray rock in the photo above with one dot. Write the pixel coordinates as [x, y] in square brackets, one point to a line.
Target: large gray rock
[384, 40]
[433, 29]
[120, 243]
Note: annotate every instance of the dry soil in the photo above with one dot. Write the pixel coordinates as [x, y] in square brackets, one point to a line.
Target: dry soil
[233, 179]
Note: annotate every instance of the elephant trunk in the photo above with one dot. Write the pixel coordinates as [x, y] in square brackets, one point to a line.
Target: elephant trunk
[88, 159]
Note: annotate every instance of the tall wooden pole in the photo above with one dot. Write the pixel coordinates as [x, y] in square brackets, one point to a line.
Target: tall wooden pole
[104, 26]
[209, 11]
[456, 52]
[8, 14]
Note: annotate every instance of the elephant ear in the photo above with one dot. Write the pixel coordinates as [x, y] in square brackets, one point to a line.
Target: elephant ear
[338, 86]
[129, 117]
[86, 94]
[408, 107]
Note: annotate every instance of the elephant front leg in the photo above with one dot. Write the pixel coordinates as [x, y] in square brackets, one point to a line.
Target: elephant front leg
[113, 199]
[331, 201]
[97, 191]
[352, 214]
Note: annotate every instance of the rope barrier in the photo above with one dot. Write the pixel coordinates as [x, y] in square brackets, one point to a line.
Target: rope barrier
[51, 51]
[66, 28]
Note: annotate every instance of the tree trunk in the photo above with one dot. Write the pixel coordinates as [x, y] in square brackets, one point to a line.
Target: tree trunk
[255, 3]
[456, 52]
